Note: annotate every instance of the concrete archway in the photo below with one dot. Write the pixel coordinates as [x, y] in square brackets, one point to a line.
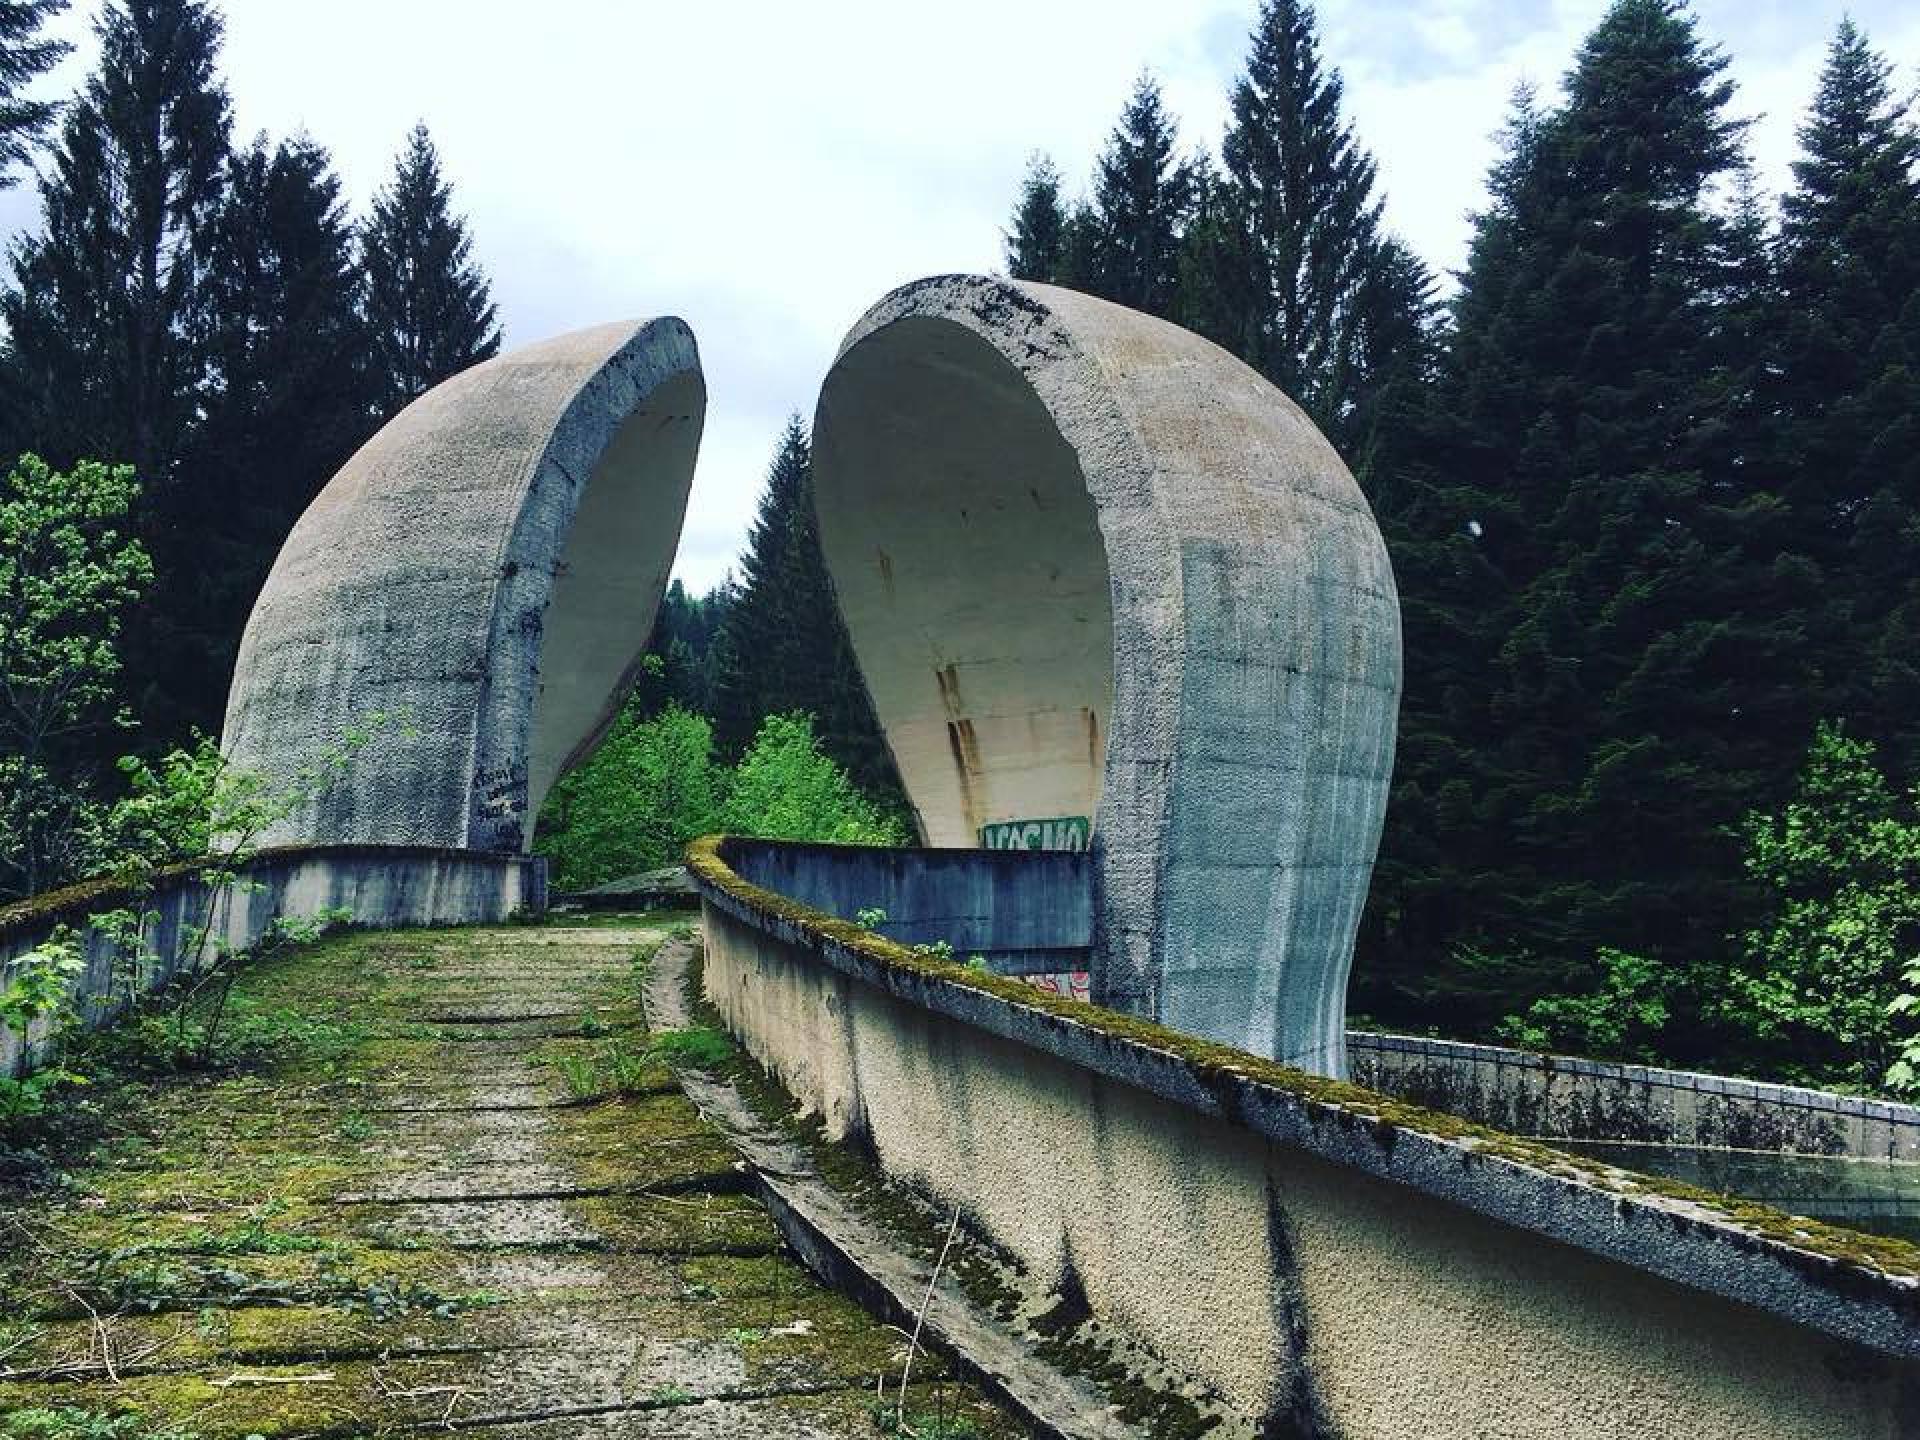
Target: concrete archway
[485, 570]
[1087, 558]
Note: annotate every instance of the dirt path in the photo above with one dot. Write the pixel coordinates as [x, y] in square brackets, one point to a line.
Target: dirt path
[406, 1217]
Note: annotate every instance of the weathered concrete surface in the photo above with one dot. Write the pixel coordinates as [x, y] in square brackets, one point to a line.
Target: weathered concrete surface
[1326, 1259]
[1023, 913]
[856, 1255]
[249, 1278]
[1570, 1098]
[378, 885]
[485, 573]
[648, 890]
[1090, 561]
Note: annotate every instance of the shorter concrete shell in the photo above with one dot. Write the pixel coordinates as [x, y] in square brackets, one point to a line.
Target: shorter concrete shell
[1091, 563]
[473, 591]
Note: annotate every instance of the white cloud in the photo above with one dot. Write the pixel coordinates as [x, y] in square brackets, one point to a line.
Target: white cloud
[768, 170]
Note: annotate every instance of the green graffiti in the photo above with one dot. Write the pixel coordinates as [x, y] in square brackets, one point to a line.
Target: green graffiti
[1064, 832]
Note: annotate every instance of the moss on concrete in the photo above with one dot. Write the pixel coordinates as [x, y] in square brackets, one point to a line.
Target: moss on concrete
[1225, 1072]
[212, 1254]
[1142, 1391]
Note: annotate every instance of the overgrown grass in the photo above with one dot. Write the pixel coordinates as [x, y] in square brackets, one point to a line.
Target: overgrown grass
[72, 1422]
[617, 1068]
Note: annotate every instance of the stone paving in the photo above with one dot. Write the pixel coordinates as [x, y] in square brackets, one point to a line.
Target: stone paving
[453, 1187]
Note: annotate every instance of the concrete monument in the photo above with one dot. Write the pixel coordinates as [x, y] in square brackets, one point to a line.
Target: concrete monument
[1096, 569]
[484, 573]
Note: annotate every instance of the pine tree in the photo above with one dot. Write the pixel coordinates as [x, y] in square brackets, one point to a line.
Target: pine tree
[101, 314]
[1036, 243]
[684, 668]
[782, 646]
[1303, 191]
[108, 306]
[288, 399]
[1388, 349]
[1219, 293]
[1143, 195]
[1594, 696]
[25, 54]
[428, 305]
[1844, 395]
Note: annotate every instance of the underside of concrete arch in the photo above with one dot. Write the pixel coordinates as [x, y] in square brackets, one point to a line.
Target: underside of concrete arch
[471, 594]
[967, 559]
[1093, 566]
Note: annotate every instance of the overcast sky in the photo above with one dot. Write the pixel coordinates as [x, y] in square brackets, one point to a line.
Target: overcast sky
[767, 170]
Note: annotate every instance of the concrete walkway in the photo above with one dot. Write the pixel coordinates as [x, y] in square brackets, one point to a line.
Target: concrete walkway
[420, 1205]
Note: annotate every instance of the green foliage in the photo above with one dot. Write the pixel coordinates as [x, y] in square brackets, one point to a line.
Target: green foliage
[429, 309]
[200, 1026]
[69, 571]
[617, 1069]
[699, 1047]
[1839, 402]
[782, 647]
[784, 788]
[106, 353]
[1818, 986]
[1622, 1019]
[41, 981]
[1143, 196]
[25, 53]
[1604, 652]
[255, 1235]
[169, 811]
[30, 1098]
[653, 785]
[39, 988]
[1036, 243]
[1300, 189]
[72, 1422]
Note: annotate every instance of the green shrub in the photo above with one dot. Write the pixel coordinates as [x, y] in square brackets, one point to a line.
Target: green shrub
[1818, 987]
[636, 801]
[785, 789]
[654, 784]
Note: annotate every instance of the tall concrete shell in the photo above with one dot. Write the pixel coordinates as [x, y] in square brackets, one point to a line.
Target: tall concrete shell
[478, 582]
[1093, 565]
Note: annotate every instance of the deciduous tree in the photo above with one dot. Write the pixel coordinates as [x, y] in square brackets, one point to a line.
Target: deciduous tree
[69, 571]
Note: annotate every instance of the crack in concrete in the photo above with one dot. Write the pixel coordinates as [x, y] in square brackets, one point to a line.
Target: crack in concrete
[476, 1251]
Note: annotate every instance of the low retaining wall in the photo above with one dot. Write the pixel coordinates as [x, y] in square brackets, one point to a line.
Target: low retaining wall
[1025, 912]
[1565, 1098]
[382, 885]
[1324, 1258]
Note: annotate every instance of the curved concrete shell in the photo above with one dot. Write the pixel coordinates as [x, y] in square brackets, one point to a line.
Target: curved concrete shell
[1092, 565]
[484, 575]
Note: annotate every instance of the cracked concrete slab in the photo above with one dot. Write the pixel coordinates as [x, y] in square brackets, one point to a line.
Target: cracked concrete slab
[470, 1247]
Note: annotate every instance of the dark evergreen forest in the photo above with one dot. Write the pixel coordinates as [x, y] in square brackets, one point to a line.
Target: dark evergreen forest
[1648, 467]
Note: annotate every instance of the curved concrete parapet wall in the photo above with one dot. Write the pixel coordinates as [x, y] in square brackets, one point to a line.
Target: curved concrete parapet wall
[1569, 1097]
[1320, 1258]
[1094, 566]
[379, 885]
[483, 573]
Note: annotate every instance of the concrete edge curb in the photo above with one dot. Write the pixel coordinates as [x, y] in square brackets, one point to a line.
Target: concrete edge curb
[851, 1255]
[1856, 1287]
